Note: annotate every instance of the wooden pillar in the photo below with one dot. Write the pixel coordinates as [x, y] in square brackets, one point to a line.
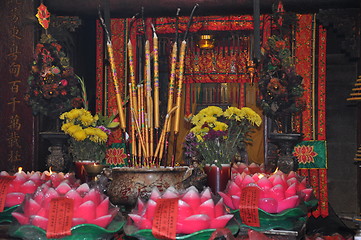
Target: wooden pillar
[16, 121]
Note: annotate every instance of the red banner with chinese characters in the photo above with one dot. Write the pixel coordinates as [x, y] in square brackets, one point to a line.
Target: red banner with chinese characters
[17, 121]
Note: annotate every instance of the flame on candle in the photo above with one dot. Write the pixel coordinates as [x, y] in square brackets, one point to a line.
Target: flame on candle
[261, 175]
[275, 171]
[50, 172]
[20, 169]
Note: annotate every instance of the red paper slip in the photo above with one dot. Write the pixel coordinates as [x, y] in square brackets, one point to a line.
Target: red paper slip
[4, 185]
[165, 219]
[248, 207]
[60, 217]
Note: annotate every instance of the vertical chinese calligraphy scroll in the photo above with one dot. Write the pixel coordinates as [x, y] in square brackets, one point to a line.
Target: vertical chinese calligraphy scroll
[16, 121]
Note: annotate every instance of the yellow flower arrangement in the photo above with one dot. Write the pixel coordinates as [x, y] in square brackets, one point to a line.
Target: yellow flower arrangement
[88, 133]
[219, 135]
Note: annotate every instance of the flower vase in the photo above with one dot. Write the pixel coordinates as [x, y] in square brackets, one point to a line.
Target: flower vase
[80, 172]
[217, 178]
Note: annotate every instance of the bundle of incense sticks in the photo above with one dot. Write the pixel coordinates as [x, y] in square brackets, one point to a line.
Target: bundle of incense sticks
[148, 147]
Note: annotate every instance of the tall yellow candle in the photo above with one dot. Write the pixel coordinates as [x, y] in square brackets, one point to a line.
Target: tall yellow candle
[180, 86]
[156, 81]
[132, 77]
[171, 81]
[116, 85]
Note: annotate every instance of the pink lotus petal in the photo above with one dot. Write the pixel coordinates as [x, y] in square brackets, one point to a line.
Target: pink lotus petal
[279, 180]
[184, 210]
[233, 189]
[141, 222]
[103, 208]
[50, 194]
[256, 177]
[11, 188]
[150, 209]
[82, 189]
[22, 219]
[140, 205]
[63, 188]
[136, 218]
[169, 193]
[287, 203]
[39, 197]
[17, 184]
[13, 199]
[227, 200]
[308, 192]
[192, 198]
[291, 174]
[43, 188]
[247, 171]
[236, 201]
[264, 183]
[28, 187]
[291, 191]
[206, 208]
[86, 210]
[220, 222]
[247, 180]
[43, 212]
[73, 194]
[195, 223]
[36, 178]
[179, 227]
[238, 179]
[21, 176]
[31, 207]
[77, 221]
[155, 194]
[219, 208]
[4, 173]
[40, 222]
[93, 195]
[102, 221]
[302, 185]
[277, 192]
[113, 211]
[254, 168]
[206, 194]
[291, 181]
[268, 205]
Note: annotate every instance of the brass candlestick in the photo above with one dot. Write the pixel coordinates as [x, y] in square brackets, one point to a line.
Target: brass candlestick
[93, 170]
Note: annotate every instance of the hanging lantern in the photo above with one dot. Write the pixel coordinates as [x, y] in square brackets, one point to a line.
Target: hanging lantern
[206, 41]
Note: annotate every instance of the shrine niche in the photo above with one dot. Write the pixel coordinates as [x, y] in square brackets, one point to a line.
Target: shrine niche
[219, 76]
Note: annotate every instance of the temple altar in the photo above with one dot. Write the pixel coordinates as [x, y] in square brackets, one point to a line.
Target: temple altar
[225, 75]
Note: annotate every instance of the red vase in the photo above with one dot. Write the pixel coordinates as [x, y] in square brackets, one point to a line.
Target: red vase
[217, 178]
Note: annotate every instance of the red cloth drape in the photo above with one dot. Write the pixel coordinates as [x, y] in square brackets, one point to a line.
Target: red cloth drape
[313, 119]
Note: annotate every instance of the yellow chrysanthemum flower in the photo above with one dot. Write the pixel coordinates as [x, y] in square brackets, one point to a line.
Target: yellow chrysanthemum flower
[74, 128]
[195, 119]
[220, 126]
[90, 131]
[212, 111]
[208, 120]
[87, 119]
[79, 135]
[102, 135]
[196, 130]
[73, 114]
[199, 138]
[65, 126]
[252, 116]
